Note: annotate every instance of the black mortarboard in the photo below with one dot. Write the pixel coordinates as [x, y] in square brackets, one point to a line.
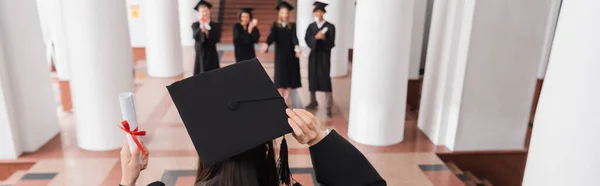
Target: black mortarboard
[231, 110]
[247, 10]
[283, 4]
[202, 2]
[319, 6]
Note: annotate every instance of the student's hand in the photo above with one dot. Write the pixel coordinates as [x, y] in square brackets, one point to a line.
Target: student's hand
[130, 164]
[305, 126]
[264, 48]
[202, 26]
[320, 36]
[298, 51]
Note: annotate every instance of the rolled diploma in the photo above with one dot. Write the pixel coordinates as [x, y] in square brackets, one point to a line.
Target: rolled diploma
[324, 30]
[127, 102]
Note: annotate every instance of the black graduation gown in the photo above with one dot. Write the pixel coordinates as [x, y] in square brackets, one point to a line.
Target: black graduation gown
[319, 60]
[207, 57]
[287, 65]
[338, 163]
[243, 42]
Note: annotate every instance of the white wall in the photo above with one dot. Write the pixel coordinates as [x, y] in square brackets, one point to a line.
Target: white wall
[304, 17]
[30, 86]
[137, 26]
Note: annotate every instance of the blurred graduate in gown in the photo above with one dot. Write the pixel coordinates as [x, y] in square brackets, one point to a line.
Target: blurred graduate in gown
[245, 35]
[320, 37]
[287, 51]
[207, 34]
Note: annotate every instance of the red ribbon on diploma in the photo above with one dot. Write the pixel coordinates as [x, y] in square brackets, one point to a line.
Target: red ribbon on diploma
[125, 127]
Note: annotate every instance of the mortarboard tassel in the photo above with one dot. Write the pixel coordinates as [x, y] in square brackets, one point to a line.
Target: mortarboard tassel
[284, 167]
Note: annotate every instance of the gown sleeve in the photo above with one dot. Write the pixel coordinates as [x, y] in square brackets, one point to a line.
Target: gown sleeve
[238, 34]
[196, 30]
[242, 36]
[214, 35]
[310, 38]
[330, 38]
[255, 35]
[294, 35]
[337, 162]
[272, 34]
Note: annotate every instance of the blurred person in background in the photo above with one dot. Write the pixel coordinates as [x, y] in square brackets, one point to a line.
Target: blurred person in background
[207, 34]
[320, 37]
[245, 35]
[287, 51]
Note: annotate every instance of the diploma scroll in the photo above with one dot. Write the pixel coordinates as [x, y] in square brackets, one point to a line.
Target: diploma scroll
[128, 111]
[324, 30]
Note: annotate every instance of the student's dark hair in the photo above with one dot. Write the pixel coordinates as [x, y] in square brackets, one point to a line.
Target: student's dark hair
[255, 167]
[240, 16]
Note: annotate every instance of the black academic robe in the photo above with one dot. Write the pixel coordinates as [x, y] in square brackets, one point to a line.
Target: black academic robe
[207, 57]
[319, 60]
[243, 42]
[338, 163]
[287, 65]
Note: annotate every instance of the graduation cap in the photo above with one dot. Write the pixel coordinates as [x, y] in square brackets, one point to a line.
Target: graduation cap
[202, 3]
[231, 110]
[319, 6]
[283, 4]
[247, 10]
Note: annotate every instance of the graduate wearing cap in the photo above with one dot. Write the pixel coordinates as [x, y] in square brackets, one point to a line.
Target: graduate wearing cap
[320, 37]
[207, 34]
[245, 35]
[287, 51]
[233, 115]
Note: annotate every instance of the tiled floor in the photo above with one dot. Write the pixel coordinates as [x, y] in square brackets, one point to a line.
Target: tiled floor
[173, 158]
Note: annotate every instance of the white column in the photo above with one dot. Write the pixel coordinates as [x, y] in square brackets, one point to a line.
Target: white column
[163, 45]
[9, 132]
[59, 39]
[418, 27]
[565, 144]
[336, 14]
[380, 71]
[549, 37]
[304, 16]
[187, 16]
[430, 108]
[99, 43]
[479, 86]
[28, 111]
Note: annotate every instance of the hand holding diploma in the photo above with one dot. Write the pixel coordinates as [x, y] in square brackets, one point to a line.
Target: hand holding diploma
[320, 36]
[252, 24]
[130, 124]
